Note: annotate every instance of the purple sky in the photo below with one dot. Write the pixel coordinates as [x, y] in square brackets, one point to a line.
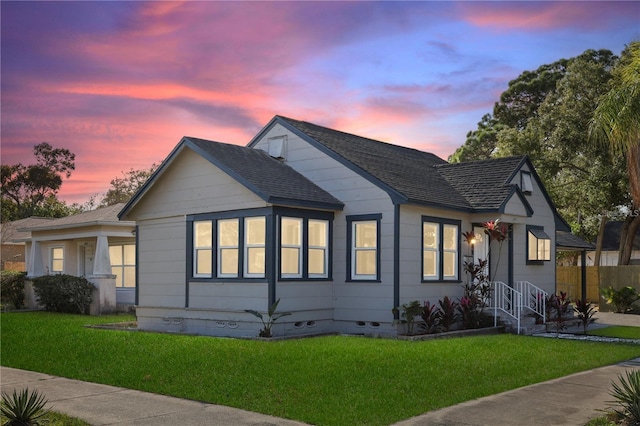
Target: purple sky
[119, 83]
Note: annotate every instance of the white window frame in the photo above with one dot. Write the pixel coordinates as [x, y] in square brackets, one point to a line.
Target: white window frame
[52, 259]
[325, 249]
[436, 250]
[455, 252]
[197, 249]
[440, 224]
[355, 250]
[124, 265]
[248, 246]
[298, 246]
[220, 248]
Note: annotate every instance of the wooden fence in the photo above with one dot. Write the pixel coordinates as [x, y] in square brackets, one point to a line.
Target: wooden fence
[569, 279]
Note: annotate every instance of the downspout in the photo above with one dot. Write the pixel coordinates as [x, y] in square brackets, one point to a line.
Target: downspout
[137, 269]
[510, 257]
[396, 259]
[583, 274]
[270, 256]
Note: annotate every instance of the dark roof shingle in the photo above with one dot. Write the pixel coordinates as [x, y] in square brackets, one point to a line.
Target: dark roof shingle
[420, 177]
[268, 177]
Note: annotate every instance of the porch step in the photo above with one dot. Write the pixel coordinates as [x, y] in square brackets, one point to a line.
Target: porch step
[528, 325]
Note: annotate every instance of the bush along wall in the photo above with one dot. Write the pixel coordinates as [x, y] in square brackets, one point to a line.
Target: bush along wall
[12, 288]
[64, 293]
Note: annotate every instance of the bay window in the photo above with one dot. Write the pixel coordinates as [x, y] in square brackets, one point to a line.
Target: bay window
[538, 245]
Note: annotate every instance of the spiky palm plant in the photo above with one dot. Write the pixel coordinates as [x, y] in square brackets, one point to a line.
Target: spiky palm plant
[627, 394]
[23, 408]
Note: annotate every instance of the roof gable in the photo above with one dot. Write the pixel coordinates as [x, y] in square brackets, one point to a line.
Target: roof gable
[485, 184]
[406, 174]
[268, 178]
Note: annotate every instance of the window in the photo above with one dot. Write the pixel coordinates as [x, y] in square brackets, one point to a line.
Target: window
[526, 184]
[202, 248]
[57, 260]
[228, 246]
[363, 239]
[123, 264]
[318, 250]
[440, 249]
[300, 236]
[255, 242]
[291, 247]
[538, 245]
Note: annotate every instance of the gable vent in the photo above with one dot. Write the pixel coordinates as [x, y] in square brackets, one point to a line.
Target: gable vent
[277, 147]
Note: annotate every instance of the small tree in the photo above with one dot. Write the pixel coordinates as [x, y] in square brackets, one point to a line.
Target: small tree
[272, 317]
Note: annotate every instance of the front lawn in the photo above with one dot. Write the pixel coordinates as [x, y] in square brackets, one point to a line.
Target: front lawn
[621, 331]
[333, 380]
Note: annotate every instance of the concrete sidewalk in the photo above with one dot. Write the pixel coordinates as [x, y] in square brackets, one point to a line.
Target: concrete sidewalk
[109, 405]
[570, 400]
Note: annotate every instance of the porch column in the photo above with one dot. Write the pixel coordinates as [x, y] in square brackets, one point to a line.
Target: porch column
[36, 268]
[101, 261]
[104, 297]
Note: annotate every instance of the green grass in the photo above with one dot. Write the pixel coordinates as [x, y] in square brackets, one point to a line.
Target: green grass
[333, 380]
[622, 331]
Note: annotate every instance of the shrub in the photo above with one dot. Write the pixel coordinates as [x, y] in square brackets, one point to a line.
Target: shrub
[622, 299]
[12, 288]
[431, 317]
[63, 293]
[448, 316]
[627, 394]
[409, 312]
[558, 310]
[23, 408]
[585, 311]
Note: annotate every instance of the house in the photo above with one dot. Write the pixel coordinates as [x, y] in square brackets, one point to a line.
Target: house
[13, 247]
[340, 228]
[93, 244]
[611, 246]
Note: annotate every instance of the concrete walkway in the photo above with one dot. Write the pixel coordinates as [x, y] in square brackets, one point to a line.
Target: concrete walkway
[570, 400]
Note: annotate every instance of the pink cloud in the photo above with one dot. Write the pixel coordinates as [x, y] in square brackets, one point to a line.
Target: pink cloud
[543, 15]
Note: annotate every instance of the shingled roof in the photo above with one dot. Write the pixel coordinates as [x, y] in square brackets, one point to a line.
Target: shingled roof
[484, 184]
[414, 176]
[101, 216]
[269, 178]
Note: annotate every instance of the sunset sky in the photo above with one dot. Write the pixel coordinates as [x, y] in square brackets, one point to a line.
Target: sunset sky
[119, 83]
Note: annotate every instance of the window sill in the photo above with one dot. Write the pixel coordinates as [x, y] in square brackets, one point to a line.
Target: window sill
[441, 281]
[363, 281]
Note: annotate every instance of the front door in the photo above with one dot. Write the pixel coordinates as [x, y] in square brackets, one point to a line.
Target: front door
[481, 246]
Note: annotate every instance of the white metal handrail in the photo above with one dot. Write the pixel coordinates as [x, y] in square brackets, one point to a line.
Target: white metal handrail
[536, 298]
[508, 300]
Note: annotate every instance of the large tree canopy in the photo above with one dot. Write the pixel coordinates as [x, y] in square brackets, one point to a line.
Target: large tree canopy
[616, 121]
[545, 114]
[31, 190]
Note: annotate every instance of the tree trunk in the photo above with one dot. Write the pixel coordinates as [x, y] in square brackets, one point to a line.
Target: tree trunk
[628, 232]
[603, 222]
[633, 165]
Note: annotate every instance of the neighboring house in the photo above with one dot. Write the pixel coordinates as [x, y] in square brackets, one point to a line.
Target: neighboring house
[340, 228]
[13, 246]
[93, 244]
[611, 246]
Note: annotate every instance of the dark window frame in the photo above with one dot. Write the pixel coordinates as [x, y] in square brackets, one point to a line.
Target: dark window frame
[377, 217]
[441, 222]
